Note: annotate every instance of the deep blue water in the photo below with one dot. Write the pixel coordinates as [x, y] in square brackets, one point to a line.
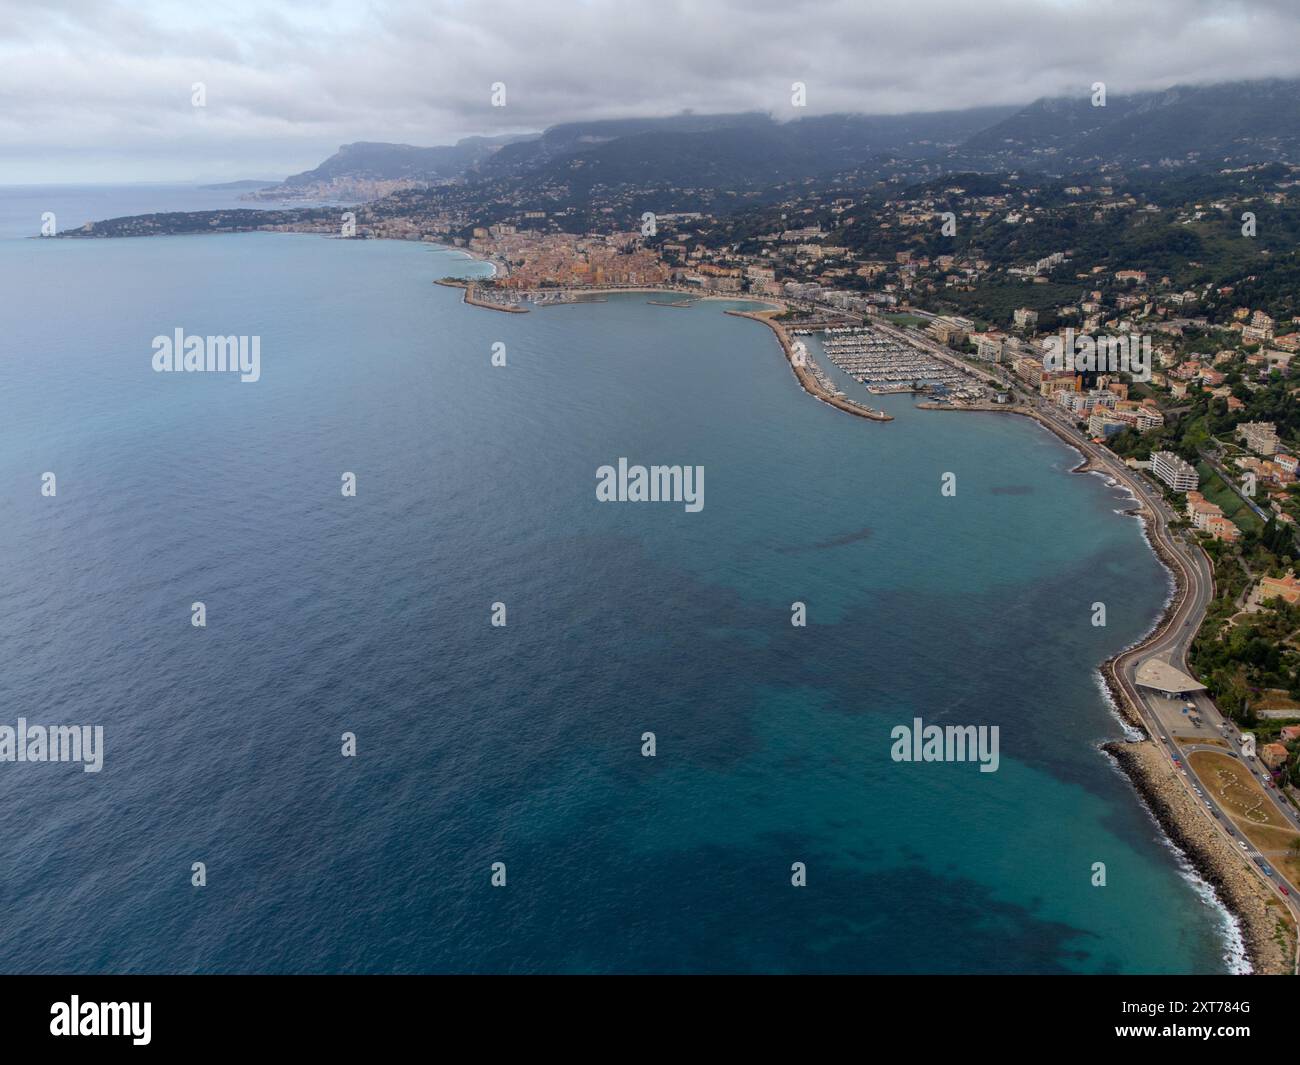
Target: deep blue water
[522, 745]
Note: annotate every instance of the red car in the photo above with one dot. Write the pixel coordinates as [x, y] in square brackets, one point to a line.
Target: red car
[1285, 890]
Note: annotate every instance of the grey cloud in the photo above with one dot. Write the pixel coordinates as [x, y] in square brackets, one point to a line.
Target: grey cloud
[288, 83]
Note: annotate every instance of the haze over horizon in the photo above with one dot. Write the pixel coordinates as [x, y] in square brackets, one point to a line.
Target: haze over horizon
[103, 92]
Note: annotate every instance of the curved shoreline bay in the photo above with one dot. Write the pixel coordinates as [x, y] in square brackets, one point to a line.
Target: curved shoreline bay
[523, 744]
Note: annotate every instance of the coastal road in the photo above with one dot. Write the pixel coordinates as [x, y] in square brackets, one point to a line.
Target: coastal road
[1170, 644]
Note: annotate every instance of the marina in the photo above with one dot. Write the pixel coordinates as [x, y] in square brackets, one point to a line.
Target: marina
[821, 377]
[887, 366]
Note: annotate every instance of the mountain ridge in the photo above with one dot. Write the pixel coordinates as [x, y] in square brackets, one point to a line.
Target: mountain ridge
[1242, 121]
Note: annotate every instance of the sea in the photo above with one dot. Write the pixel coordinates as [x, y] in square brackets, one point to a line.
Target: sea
[648, 768]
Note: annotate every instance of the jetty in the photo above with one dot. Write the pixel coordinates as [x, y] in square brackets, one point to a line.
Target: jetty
[474, 299]
[809, 375]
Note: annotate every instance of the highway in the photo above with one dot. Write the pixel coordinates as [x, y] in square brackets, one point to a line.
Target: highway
[1171, 644]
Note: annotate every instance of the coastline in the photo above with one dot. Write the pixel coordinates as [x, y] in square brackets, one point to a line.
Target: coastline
[1087, 464]
[1165, 795]
[1267, 930]
[806, 379]
[471, 297]
[1267, 933]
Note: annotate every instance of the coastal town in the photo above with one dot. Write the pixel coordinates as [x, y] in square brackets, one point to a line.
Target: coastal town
[1124, 320]
[1214, 478]
[366, 364]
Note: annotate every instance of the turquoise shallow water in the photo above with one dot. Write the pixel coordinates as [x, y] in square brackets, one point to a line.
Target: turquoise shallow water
[522, 745]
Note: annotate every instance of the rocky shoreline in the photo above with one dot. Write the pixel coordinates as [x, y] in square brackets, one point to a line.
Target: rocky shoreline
[1267, 930]
[1265, 927]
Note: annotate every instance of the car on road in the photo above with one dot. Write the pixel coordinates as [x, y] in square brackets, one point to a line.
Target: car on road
[1284, 889]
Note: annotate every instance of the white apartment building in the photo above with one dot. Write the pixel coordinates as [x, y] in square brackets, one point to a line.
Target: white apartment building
[1176, 473]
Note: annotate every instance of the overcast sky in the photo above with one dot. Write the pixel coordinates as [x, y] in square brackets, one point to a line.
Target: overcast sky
[101, 91]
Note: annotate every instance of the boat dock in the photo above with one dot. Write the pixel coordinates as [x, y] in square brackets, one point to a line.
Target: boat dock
[886, 365]
[811, 377]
